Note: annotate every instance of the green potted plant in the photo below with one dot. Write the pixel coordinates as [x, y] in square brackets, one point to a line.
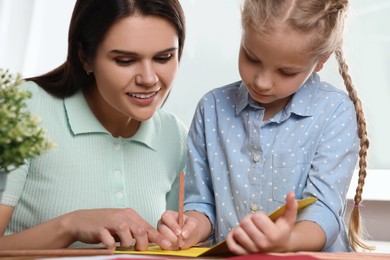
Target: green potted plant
[21, 137]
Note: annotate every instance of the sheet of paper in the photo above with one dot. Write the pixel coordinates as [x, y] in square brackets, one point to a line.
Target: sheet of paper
[219, 249]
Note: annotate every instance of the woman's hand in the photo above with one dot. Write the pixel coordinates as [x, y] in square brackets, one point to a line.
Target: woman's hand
[89, 226]
[196, 228]
[258, 233]
[111, 225]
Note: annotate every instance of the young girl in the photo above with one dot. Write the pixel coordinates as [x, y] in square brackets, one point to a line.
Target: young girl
[280, 132]
[118, 155]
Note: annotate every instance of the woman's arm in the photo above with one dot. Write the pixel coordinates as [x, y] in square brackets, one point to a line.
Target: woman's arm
[88, 226]
[48, 235]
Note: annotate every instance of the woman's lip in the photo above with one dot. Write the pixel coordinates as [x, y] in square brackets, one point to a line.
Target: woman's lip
[140, 94]
[141, 99]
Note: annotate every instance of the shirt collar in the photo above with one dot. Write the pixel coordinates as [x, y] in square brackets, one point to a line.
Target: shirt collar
[81, 120]
[300, 104]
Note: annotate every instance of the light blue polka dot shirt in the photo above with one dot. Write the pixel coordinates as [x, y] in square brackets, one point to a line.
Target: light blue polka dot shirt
[239, 163]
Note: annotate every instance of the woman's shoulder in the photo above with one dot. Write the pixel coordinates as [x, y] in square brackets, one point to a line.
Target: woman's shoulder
[30, 86]
[36, 90]
[40, 100]
[169, 120]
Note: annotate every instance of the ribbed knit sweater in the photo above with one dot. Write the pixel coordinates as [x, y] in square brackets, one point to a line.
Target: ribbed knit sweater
[89, 168]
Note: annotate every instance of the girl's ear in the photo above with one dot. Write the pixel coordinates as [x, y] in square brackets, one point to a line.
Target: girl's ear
[84, 60]
[321, 62]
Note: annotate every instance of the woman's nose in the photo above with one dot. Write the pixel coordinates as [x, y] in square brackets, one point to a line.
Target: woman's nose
[146, 75]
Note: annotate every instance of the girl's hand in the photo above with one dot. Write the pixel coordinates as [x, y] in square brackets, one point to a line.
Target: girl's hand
[111, 225]
[257, 233]
[196, 226]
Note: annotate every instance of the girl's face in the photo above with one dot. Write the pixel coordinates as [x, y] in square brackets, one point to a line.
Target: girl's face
[134, 68]
[274, 66]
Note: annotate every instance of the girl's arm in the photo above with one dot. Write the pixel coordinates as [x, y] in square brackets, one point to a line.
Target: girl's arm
[257, 233]
[196, 229]
[306, 236]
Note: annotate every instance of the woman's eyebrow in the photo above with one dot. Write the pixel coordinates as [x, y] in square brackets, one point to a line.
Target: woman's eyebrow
[131, 53]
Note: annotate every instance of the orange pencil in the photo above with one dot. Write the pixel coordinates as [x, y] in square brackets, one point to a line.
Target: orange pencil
[181, 204]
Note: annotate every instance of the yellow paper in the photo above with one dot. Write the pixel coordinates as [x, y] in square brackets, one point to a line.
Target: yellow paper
[217, 250]
[156, 250]
[301, 204]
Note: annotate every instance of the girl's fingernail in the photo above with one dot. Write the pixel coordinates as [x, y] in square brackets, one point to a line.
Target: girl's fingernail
[185, 234]
[166, 243]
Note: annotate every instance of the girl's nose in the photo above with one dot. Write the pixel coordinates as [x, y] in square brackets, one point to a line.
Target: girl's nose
[263, 81]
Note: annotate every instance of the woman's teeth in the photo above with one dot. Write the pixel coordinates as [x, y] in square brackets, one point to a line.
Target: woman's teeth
[143, 96]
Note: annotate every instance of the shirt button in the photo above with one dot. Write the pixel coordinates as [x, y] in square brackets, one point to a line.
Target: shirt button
[117, 147]
[256, 158]
[117, 173]
[253, 207]
[119, 195]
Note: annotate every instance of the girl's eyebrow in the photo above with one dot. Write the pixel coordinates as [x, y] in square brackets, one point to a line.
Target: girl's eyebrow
[246, 50]
[131, 53]
[286, 68]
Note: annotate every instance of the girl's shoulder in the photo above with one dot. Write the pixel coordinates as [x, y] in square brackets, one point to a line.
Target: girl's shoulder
[324, 92]
[326, 88]
[225, 92]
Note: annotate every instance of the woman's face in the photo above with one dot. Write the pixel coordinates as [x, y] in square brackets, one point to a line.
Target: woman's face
[134, 68]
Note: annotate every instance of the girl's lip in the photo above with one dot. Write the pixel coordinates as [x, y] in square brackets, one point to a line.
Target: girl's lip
[259, 94]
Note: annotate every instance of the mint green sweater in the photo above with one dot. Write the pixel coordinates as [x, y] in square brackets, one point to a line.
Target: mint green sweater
[89, 168]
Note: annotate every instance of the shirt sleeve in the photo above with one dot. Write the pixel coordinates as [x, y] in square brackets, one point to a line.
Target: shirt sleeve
[199, 190]
[17, 178]
[331, 172]
[14, 186]
[173, 195]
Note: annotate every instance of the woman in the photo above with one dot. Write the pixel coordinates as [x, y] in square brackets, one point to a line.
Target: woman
[115, 168]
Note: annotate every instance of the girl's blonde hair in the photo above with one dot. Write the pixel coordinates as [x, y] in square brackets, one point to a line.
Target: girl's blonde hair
[322, 21]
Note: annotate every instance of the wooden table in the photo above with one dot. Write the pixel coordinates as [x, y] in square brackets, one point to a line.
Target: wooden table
[344, 255]
[98, 253]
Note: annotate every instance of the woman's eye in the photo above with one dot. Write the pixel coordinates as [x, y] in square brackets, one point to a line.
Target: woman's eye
[124, 62]
[164, 58]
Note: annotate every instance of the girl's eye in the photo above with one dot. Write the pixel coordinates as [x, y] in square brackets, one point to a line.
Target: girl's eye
[252, 59]
[288, 74]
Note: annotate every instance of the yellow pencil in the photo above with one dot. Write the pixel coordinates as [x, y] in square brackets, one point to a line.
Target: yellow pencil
[181, 205]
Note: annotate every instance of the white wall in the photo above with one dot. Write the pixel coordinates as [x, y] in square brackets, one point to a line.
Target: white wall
[33, 39]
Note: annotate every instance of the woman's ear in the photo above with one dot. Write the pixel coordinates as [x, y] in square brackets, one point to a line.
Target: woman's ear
[84, 60]
[321, 62]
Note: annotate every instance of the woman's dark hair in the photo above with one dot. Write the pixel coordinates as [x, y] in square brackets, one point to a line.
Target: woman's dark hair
[91, 20]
